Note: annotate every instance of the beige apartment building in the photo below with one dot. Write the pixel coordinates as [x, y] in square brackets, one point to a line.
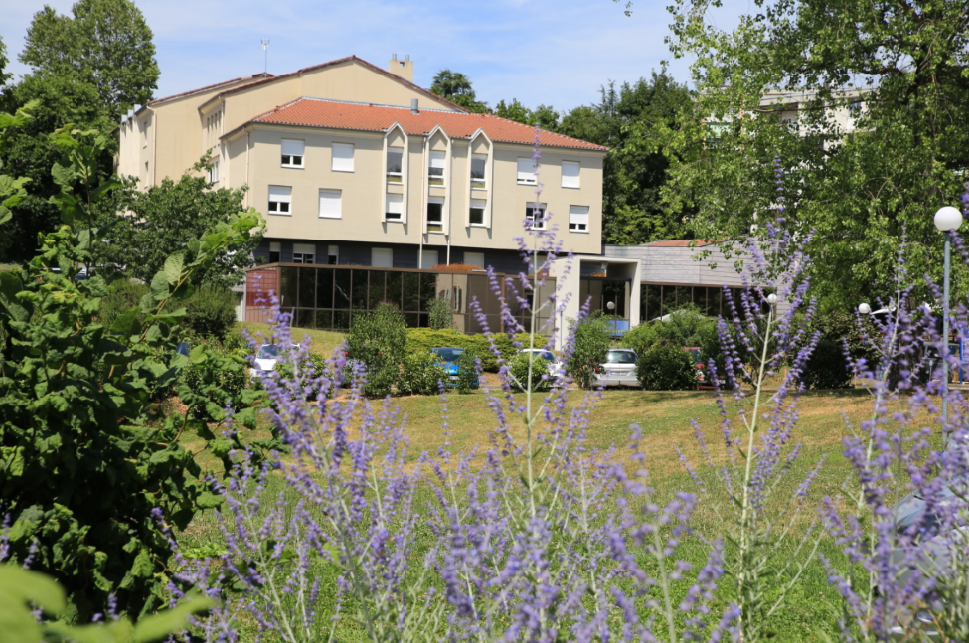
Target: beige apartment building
[351, 164]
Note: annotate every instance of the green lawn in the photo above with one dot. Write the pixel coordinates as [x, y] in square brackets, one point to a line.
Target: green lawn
[322, 342]
[665, 419]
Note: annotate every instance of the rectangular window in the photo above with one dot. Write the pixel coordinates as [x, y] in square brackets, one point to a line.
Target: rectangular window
[474, 259]
[395, 165]
[333, 255]
[435, 168]
[395, 207]
[291, 153]
[428, 258]
[304, 252]
[526, 172]
[274, 247]
[478, 162]
[435, 214]
[342, 157]
[579, 218]
[476, 214]
[214, 171]
[331, 204]
[382, 257]
[570, 174]
[535, 213]
[280, 199]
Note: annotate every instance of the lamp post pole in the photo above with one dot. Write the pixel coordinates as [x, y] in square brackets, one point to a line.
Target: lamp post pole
[947, 219]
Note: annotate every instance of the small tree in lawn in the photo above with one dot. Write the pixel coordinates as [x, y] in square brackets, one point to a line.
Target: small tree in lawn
[591, 341]
[378, 341]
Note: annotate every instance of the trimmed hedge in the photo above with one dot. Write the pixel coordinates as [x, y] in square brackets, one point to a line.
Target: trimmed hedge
[666, 367]
[422, 340]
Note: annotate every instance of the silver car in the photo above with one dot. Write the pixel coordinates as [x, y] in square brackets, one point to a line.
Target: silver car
[556, 369]
[618, 369]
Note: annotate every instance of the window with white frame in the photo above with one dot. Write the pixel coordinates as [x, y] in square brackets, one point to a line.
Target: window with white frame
[274, 248]
[342, 157]
[395, 165]
[304, 252]
[435, 168]
[474, 259]
[435, 214]
[331, 204]
[476, 213]
[291, 152]
[382, 257]
[478, 164]
[535, 214]
[280, 199]
[526, 172]
[395, 207]
[214, 171]
[570, 174]
[578, 218]
[333, 255]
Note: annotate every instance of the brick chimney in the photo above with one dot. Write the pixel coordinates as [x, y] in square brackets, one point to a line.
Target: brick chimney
[403, 68]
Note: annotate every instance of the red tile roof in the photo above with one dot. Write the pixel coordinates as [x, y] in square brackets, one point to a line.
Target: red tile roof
[315, 112]
[339, 61]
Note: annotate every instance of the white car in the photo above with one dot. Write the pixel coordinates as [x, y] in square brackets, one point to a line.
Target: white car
[618, 369]
[267, 356]
[556, 369]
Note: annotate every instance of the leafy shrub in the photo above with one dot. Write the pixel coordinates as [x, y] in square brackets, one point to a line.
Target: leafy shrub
[467, 364]
[685, 327]
[439, 314]
[216, 377]
[424, 339]
[378, 338]
[666, 367]
[421, 374]
[211, 311]
[312, 366]
[123, 295]
[590, 343]
[827, 368]
[539, 381]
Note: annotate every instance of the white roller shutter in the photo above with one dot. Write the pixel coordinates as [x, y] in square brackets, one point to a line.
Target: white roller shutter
[331, 204]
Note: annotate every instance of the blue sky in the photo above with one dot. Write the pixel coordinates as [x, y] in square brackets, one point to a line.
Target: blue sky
[556, 52]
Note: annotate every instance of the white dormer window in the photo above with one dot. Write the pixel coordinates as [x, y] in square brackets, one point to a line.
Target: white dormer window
[280, 199]
[291, 153]
[526, 172]
[395, 165]
[570, 174]
[435, 168]
[342, 157]
[579, 218]
[478, 164]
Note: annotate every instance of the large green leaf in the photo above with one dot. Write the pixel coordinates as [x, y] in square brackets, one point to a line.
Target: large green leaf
[167, 622]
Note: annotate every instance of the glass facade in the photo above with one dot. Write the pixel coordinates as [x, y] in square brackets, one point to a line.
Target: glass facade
[657, 300]
[327, 297]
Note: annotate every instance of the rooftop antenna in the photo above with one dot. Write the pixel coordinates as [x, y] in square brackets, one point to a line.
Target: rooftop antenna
[265, 62]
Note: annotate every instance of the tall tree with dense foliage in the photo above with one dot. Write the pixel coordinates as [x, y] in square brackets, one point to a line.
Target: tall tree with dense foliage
[863, 183]
[162, 219]
[3, 63]
[457, 88]
[106, 44]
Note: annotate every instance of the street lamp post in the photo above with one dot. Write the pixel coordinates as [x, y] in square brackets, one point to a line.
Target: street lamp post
[864, 309]
[947, 219]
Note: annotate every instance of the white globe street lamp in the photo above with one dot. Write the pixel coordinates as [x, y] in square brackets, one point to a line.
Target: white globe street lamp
[772, 299]
[611, 305]
[864, 309]
[947, 219]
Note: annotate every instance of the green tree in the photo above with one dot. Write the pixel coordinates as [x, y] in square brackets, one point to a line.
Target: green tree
[544, 116]
[166, 217]
[4, 77]
[106, 44]
[457, 88]
[513, 111]
[861, 184]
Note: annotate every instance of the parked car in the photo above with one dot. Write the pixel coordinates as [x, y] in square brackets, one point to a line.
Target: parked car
[267, 356]
[618, 369]
[556, 369]
[448, 358]
[184, 348]
[701, 374]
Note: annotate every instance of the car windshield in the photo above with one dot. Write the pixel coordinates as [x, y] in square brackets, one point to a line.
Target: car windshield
[448, 354]
[620, 357]
[268, 351]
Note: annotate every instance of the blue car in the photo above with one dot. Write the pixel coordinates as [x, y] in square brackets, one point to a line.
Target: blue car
[448, 358]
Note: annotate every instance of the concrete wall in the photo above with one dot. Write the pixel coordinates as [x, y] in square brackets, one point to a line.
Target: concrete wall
[677, 265]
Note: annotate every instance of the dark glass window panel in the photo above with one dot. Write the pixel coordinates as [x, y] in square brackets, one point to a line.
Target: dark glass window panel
[526, 322]
[411, 291]
[274, 256]
[341, 319]
[287, 287]
[341, 288]
[395, 284]
[307, 288]
[305, 318]
[377, 293]
[324, 319]
[428, 289]
[435, 217]
[477, 169]
[410, 319]
[714, 297]
[615, 292]
[324, 288]
[683, 297]
[654, 302]
[700, 298]
[422, 321]
[360, 284]
[476, 216]
[669, 299]
[395, 161]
